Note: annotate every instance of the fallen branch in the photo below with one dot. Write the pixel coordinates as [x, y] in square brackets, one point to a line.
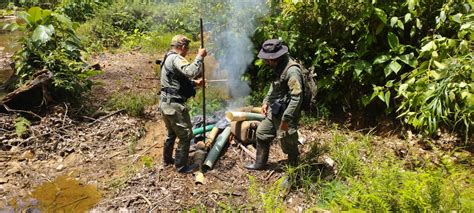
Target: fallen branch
[248, 152]
[21, 111]
[144, 198]
[106, 116]
[144, 152]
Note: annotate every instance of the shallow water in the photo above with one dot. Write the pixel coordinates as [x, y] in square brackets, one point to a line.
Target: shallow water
[64, 194]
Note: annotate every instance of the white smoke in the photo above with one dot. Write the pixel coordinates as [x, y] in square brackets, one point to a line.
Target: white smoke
[231, 38]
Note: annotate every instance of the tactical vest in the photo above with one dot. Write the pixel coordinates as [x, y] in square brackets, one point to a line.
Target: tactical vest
[186, 89]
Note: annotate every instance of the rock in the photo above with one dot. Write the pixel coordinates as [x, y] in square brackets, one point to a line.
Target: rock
[15, 167]
[72, 159]
[328, 160]
[3, 180]
[60, 167]
[27, 155]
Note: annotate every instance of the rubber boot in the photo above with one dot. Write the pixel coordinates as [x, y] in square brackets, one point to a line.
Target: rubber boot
[262, 157]
[168, 151]
[293, 160]
[181, 162]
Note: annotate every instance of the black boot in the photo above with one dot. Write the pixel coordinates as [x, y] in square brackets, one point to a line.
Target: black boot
[262, 157]
[293, 160]
[168, 151]
[181, 161]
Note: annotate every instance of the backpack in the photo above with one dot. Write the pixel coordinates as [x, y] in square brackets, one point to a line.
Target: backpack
[310, 88]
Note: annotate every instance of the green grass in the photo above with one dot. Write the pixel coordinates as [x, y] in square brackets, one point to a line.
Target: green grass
[369, 177]
[133, 104]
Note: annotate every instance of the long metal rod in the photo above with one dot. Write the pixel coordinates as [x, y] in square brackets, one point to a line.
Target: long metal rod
[216, 80]
[204, 78]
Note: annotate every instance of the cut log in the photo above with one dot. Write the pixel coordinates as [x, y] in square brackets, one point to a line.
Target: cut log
[32, 94]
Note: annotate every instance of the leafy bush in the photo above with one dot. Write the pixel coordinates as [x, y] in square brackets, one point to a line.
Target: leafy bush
[125, 22]
[440, 90]
[364, 51]
[50, 43]
[79, 10]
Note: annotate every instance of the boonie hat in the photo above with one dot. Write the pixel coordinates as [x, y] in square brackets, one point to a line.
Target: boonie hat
[180, 40]
[272, 49]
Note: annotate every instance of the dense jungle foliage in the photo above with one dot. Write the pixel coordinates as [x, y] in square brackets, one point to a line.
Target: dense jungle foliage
[410, 61]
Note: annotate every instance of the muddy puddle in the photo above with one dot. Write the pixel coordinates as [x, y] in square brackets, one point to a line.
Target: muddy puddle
[64, 194]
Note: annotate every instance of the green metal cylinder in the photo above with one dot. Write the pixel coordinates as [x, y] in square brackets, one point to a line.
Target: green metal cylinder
[200, 130]
[217, 148]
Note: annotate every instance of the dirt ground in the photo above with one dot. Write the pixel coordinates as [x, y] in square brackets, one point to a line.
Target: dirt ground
[121, 155]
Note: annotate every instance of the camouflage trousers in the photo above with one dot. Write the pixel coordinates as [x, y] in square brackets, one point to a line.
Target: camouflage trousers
[178, 124]
[268, 130]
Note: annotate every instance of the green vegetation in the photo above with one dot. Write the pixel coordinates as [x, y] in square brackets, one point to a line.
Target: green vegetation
[383, 57]
[133, 104]
[408, 60]
[368, 178]
[50, 43]
[21, 126]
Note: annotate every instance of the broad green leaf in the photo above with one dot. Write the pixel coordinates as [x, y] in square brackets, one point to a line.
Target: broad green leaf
[409, 59]
[451, 43]
[35, 14]
[25, 17]
[381, 96]
[418, 24]
[393, 41]
[463, 46]
[395, 66]
[381, 14]
[434, 74]
[462, 84]
[389, 83]
[407, 17]
[381, 59]
[400, 25]
[402, 89]
[42, 33]
[63, 19]
[429, 46]
[387, 98]
[442, 17]
[393, 21]
[457, 18]
[439, 65]
[361, 65]
[466, 26]
[387, 70]
[411, 5]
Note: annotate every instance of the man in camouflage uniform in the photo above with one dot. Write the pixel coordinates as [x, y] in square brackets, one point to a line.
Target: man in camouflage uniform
[177, 85]
[281, 106]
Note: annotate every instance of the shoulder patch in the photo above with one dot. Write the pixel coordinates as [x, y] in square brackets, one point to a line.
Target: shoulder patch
[294, 86]
[182, 60]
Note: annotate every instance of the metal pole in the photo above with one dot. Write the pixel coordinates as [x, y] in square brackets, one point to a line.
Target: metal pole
[204, 78]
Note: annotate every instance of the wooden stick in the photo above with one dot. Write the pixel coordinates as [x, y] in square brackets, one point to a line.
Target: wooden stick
[248, 152]
[216, 80]
[203, 77]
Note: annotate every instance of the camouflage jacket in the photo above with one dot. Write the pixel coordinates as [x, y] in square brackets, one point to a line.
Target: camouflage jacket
[286, 90]
[176, 64]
